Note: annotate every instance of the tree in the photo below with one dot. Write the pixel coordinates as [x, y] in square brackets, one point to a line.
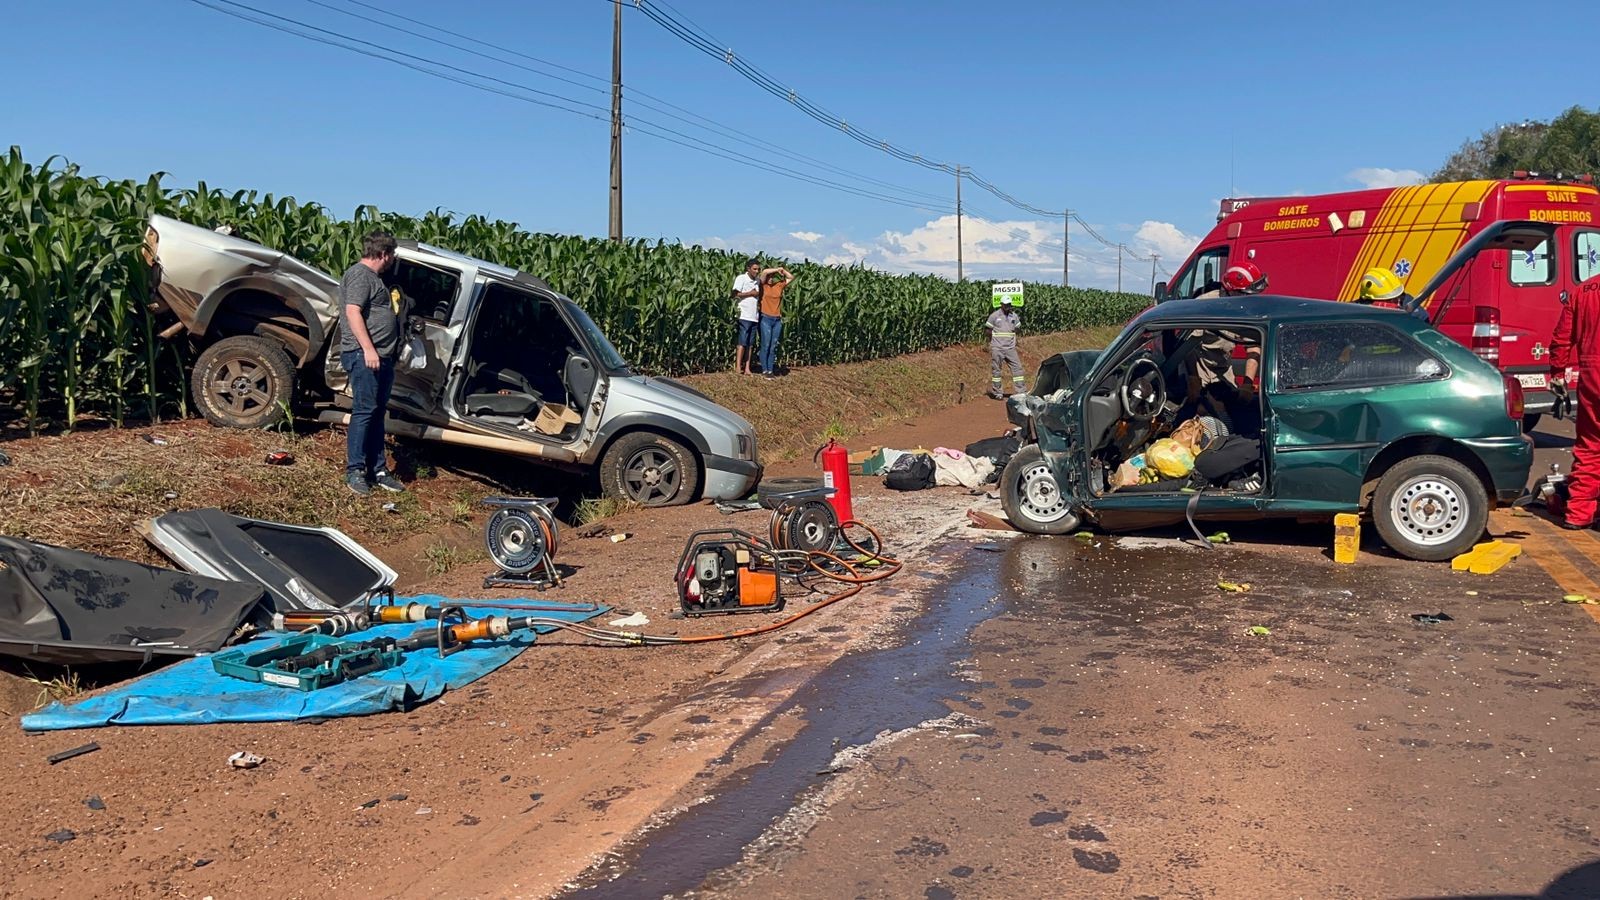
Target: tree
[1568, 144]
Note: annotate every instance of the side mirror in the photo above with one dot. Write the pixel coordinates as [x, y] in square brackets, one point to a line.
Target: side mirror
[1160, 293]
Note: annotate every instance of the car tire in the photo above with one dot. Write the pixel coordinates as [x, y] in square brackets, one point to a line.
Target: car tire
[243, 382]
[649, 469]
[1530, 421]
[1430, 508]
[1033, 501]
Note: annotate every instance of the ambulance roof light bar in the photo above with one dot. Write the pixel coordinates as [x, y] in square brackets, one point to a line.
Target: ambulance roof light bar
[1586, 178]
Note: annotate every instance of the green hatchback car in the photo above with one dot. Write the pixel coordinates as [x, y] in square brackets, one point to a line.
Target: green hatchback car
[1358, 408]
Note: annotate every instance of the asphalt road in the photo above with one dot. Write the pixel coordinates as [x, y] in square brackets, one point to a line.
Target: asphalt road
[1097, 719]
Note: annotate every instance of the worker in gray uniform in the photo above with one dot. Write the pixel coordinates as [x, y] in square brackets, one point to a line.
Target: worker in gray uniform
[1002, 326]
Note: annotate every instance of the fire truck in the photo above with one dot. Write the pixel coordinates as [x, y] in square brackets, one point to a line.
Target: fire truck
[1505, 310]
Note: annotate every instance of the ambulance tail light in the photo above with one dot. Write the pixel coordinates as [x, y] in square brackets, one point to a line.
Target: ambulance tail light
[1486, 333]
[1514, 398]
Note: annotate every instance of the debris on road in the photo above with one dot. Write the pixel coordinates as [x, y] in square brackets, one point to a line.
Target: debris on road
[1431, 618]
[1578, 598]
[632, 621]
[981, 519]
[1486, 558]
[154, 439]
[245, 760]
[65, 755]
[1259, 631]
[280, 458]
[1220, 537]
[620, 536]
[1234, 587]
[4, 459]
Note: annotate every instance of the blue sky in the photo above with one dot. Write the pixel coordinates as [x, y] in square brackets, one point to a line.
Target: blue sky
[1139, 117]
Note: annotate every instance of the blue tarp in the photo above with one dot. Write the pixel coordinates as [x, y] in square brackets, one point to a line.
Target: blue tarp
[192, 693]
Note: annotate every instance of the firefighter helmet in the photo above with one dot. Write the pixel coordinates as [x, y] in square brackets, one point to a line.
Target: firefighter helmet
[1381, 284]
[1244, 278]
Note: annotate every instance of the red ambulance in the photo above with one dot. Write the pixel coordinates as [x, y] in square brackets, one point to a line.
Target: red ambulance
[1504, 307]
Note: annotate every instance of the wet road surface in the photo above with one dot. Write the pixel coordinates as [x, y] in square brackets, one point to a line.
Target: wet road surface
[1095, 719]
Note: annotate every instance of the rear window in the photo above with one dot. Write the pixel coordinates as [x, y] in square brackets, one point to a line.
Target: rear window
[1332, 355]
[1585, 255]
[1531, 266]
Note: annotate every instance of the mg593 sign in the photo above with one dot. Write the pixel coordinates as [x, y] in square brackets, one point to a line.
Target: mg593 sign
[1011, 289]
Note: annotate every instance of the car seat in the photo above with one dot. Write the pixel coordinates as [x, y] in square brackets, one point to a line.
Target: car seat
[499, 391]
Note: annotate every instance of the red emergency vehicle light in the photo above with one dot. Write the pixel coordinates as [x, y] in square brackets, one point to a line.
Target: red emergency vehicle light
[1486, 333]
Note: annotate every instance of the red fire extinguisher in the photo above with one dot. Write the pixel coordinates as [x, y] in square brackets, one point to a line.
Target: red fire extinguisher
[836, 475]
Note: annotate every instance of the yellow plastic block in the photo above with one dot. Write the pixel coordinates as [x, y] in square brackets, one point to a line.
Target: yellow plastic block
[1346, 537]
[1486, 559]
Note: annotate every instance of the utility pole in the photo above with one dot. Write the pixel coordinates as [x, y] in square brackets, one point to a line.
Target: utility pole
[958, 225]
[1153, 258]
[1066, 243]
[616, 123]
[1119, 268]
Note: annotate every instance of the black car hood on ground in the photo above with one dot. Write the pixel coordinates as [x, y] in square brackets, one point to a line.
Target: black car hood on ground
[69, 607]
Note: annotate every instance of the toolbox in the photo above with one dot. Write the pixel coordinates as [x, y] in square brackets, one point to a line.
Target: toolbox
[267, 666]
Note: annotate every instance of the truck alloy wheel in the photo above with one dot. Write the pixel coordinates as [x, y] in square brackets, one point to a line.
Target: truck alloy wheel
[243, 382]
[1032, 499]
[650, 470]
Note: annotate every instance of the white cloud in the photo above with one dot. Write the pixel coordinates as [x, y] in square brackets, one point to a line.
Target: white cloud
[1377, 177]
[991, 250]
[1164, 239]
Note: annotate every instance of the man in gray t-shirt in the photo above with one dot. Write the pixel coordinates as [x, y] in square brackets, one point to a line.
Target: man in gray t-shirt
[369, 339]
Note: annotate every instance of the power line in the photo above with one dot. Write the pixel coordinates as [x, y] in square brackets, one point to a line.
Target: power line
[696, 37]
[657, 106]
[422, 64]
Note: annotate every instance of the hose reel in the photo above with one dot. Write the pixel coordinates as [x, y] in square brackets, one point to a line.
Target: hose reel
[522, 537]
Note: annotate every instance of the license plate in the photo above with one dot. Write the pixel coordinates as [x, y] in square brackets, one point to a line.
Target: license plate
[1532, 381]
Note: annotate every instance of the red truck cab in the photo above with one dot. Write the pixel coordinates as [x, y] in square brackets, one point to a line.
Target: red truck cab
[1504, 308]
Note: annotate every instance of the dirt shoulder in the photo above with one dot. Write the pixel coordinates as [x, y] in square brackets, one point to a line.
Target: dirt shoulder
[512, 786]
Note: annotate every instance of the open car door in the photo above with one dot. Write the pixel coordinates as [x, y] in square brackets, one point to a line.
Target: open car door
[1511, 234]
[302, 568]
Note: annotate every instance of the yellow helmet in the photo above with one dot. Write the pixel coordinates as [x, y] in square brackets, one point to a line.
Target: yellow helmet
[1381, 284]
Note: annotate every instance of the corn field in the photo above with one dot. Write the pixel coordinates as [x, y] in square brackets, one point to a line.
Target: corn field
[77, 336]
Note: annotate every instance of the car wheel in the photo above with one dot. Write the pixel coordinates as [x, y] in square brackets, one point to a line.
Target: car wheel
[243, 382]
[650, 470]
[1032, 499]
[1430, 508]
[1530, 421]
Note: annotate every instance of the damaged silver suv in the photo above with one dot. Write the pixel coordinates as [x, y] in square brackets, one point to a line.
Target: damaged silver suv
[510, 365]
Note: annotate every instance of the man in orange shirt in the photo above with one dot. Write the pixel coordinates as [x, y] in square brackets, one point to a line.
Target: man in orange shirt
[774, 281]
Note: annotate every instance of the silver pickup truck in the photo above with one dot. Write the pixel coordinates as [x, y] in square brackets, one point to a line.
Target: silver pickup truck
[510, 365]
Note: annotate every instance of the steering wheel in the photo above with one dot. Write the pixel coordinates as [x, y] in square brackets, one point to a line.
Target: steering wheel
[1143, 390]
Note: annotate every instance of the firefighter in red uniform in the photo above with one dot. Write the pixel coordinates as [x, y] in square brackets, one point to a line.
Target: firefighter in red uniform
[1577, 343]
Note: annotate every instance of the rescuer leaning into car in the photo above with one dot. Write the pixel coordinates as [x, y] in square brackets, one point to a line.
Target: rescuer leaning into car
[1211, 387]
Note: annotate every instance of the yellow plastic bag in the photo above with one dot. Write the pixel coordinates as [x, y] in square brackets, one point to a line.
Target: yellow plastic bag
[1170, 458]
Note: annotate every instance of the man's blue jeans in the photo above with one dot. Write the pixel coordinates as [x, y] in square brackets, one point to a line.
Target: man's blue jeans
[369, 394]
[771, 330]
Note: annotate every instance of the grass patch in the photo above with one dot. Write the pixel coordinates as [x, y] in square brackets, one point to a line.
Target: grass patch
[593, 509]
[62, 687]
[442, 557]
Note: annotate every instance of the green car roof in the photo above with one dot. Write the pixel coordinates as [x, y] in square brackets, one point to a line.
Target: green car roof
[1269, 308]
